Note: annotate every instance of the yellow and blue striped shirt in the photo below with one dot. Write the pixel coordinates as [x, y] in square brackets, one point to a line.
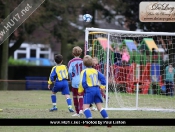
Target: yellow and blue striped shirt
[91, 78]
[59, 73]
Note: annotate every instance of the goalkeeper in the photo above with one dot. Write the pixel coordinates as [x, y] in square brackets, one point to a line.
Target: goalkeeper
[91, 81]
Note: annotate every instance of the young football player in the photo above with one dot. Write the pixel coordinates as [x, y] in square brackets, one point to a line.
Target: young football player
[91, 81]
[75, 66]
[59, 75]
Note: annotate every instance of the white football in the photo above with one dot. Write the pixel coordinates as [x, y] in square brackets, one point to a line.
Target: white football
[90, 49]
[87, 17]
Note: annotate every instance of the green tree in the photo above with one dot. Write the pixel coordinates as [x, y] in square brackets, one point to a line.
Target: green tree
[54, 18]
[56, 13]
[131, 12]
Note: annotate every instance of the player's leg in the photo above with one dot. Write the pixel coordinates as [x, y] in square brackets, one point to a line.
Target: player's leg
[103, 112]
[69, 102]
[87, 111]
[66, 92]
[80, 103]
[75, 101]
[57, 87]
[54, 98]
[87, 100]
[98, 102]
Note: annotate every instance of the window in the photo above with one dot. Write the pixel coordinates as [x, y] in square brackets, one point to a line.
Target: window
[21, 55]
[44, 49]
[32, 53]
[44, 56]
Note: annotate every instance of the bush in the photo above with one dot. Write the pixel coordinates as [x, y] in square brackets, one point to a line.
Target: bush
[13, 62]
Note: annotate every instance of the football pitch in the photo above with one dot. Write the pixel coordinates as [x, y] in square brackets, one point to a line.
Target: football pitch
[36, 104]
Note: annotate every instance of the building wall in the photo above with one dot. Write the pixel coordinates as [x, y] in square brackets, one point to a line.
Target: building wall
[33, 50]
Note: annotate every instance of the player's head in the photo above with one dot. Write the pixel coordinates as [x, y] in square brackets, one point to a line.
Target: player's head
[58, 58]
[87, 60]
[76, 51]
[95, 60]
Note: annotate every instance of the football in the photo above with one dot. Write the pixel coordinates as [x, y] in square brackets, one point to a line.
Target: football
[90, 49]
[87, 17]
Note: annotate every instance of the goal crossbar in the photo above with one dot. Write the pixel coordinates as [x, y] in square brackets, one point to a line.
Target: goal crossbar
[129, 32]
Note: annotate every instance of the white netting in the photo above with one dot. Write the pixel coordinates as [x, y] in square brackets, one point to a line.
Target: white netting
[149, 55]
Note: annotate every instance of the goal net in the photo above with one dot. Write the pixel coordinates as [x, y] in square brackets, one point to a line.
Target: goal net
[139, 68]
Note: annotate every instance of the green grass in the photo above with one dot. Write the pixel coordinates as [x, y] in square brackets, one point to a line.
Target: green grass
[36, 104]
[144, 100]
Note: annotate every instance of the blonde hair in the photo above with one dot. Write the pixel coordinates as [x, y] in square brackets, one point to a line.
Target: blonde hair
[95, 60]
[87, 60]
[76, 51]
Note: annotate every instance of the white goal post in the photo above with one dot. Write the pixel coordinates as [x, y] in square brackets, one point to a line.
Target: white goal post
[139, 83]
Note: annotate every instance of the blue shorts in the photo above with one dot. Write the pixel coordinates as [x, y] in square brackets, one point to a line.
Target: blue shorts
[62, 86]
[92, 95]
